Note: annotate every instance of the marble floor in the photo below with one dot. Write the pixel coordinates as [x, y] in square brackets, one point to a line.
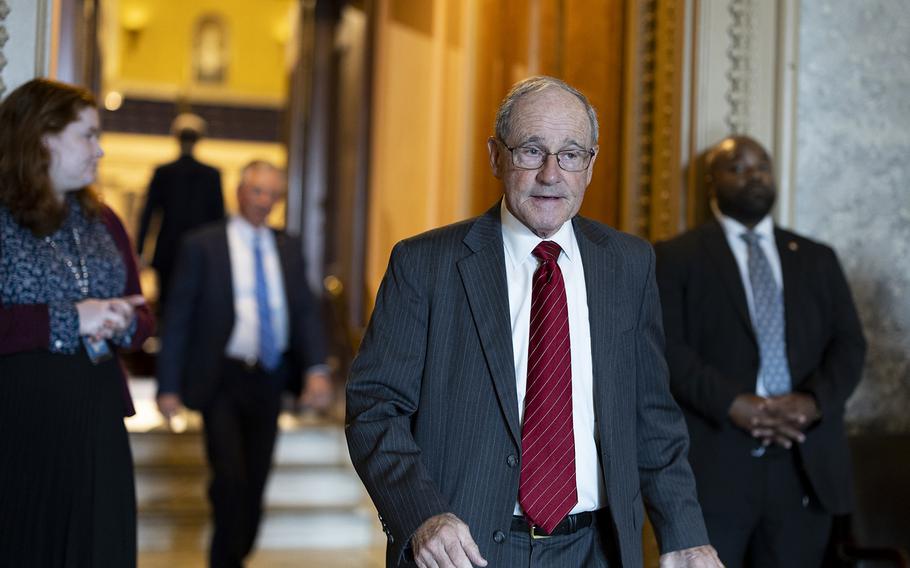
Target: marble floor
[342, 558]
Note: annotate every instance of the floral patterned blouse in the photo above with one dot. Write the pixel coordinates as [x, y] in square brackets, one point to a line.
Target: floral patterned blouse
[47, 272]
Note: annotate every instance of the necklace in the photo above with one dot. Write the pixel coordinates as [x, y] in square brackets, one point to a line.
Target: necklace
[80, 273]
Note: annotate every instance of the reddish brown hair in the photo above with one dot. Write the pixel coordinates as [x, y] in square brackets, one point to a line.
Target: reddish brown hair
[30, 112]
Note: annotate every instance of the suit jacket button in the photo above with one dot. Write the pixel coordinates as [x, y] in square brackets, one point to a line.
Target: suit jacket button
[512, 460]
[499, 537]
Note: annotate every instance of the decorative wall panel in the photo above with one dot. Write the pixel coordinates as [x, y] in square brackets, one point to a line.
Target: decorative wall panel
[4, 36]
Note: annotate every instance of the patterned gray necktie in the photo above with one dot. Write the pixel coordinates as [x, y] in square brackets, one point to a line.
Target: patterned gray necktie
[768, 320]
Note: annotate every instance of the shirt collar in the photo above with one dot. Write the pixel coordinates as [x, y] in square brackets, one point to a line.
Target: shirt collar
[733, 229]
[246, 230]
[519, 240]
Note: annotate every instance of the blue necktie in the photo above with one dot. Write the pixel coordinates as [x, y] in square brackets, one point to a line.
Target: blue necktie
[269, 358]
[768, 320]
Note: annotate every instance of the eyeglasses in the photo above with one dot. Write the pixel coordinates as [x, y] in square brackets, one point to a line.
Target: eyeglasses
[534, 157]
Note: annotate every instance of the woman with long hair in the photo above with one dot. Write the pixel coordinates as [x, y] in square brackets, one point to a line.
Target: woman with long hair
[69, 301]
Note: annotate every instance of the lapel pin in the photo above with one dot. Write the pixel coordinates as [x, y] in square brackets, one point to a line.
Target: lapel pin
[793, 246]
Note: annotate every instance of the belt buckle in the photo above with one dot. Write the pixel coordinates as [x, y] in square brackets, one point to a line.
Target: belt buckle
[535, 536]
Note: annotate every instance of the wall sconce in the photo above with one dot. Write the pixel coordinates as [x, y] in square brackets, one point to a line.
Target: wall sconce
[281, 32]
[134, 21]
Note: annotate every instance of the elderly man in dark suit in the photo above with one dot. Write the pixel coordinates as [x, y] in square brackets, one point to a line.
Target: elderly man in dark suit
[509, 405]
[764, 348]
[242, 326]
[186, 194]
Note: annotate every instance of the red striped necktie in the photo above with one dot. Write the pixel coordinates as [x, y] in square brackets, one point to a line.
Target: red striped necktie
[547, 488]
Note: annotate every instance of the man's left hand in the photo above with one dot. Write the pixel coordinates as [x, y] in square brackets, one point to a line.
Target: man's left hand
[800, 409]
[795, 412]
[697, 557]
[318, 392]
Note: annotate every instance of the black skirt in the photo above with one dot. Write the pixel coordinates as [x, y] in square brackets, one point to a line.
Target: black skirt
[67, 496]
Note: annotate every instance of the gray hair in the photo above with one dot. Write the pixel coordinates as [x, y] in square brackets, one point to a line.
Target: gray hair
[535, 85]
[258, 165]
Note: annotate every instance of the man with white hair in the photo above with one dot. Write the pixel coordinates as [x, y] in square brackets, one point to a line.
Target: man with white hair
[509, 405]
[242, 327]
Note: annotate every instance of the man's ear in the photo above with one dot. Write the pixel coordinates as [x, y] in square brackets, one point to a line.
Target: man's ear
[495, 150]
[590, 173]
[708, 184]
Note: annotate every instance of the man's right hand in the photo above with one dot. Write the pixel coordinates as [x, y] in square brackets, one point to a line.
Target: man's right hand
[169, 404]
[749, 412]
[444, 541]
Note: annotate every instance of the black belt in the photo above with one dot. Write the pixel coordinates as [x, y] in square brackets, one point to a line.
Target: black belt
[568, 525]
[248, 365]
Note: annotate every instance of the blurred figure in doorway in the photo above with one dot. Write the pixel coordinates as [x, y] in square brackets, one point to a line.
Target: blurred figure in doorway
[186, 194]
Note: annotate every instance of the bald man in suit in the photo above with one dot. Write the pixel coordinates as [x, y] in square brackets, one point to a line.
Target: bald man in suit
[764, 347]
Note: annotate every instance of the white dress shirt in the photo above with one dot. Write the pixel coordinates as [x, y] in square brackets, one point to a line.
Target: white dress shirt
[244, 340]
[518, 242]
[734, 230]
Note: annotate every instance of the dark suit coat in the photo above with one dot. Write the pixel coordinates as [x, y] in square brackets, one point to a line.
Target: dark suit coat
[188, 195]
[432, 406]
[713, 356]
[200, 316]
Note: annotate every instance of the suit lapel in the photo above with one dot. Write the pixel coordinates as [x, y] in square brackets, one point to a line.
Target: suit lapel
[719, 251]
[283, 244]
[788, 251]
[484, 278]
[222, 260]
[599, 257]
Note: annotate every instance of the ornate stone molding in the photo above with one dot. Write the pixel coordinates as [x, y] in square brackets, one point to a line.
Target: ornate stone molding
[652, 171]
[645, 177]
[4, 36]
[739, 75]
[665, 198]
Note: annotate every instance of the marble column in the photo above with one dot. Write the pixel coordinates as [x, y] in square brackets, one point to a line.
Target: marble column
[853, 180]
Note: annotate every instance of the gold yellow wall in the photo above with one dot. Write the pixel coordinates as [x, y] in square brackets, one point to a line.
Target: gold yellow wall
[155, 57]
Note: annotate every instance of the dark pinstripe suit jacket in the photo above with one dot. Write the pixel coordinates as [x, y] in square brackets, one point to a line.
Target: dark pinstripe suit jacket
[432, 411]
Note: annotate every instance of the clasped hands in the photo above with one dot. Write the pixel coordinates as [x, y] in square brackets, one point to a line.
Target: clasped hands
[106, 318]
[777, 420]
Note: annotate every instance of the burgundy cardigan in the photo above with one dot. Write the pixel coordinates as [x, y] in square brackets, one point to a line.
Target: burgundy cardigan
[26, 327]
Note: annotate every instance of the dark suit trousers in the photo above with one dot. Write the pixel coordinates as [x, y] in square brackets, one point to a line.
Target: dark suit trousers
[164, 284]
[590, 547]
[240, 429]
[777, 523]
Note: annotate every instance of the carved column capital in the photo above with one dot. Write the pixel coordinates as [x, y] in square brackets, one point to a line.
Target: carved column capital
[739, 74]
